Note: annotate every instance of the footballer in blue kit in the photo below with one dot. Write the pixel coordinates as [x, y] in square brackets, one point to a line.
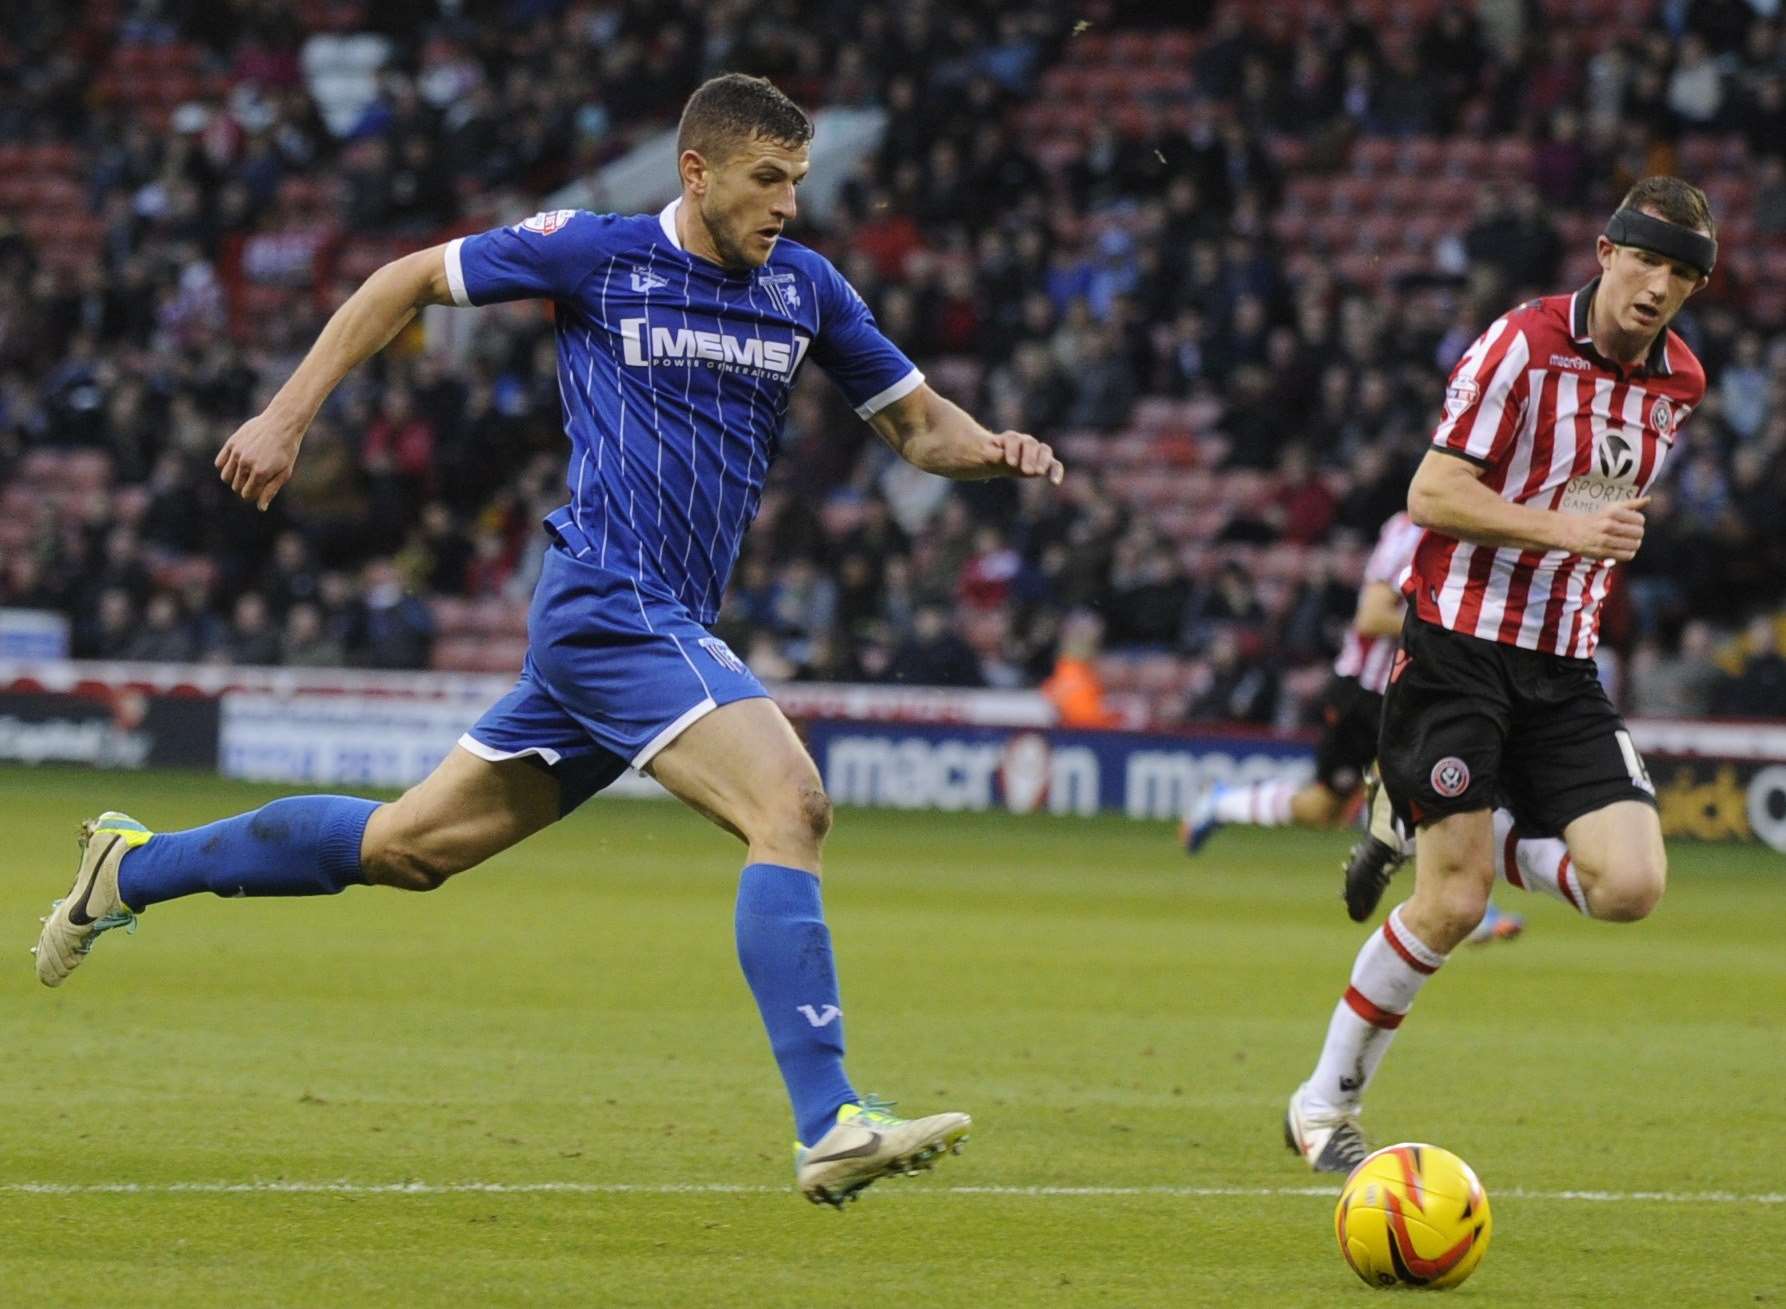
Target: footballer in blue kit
[680, 335]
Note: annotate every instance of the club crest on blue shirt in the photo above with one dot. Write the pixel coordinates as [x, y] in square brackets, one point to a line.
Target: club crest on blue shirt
[785, 287]
[549, 222]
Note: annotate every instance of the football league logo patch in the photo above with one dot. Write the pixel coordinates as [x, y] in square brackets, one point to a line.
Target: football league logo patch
[549, 222]
[1459, 396]
[1450, 777]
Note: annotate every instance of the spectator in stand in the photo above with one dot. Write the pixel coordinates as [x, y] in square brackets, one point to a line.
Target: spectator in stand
[1318, 612]
[1301, 507]
[1074, 688]
[802, 607]
[108, 634]
[306, 643]
[1229, 600]
[1148, 591]
[391, 628]
[1696, 87]
[1758, 690]
[933, 654]
[24, 587]
[437, 556]
[291, 576]
[252, 640]
[400, 446]
[123, 568]
[1743, 387]
[1676, 683]
[1561, 165]
[163, 636]
[1515, 236]
[1105, 383]
[1241, 688]
[173, 518]
[990, 575]
[859, 586]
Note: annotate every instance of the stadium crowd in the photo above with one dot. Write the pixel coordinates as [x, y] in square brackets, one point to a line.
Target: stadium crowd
[1127, 238]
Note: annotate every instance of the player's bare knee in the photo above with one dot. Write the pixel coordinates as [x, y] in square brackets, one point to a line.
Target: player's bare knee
[407, 866]
[1631, 894]
[1622, 880]
[815, 811]
[795, 822]
[1462, 905]
[1451, 898]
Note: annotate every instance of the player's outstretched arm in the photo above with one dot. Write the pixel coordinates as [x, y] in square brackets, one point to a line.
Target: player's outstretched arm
[1447, 495]
[941, 437]
[258, 459]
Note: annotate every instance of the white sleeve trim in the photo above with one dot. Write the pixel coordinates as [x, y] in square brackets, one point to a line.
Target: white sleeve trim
[455, 272]
[898, 391]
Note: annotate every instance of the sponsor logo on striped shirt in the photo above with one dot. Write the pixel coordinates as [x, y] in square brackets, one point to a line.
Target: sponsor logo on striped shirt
[644, 345]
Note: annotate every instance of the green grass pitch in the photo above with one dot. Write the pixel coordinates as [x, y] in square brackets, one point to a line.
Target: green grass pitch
[1124, 1025]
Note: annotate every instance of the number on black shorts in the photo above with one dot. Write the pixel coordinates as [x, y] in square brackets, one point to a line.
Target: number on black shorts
[1640, 776]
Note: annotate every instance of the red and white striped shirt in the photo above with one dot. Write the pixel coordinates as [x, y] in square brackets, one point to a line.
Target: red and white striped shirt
[1556, 426]
[1368, 658]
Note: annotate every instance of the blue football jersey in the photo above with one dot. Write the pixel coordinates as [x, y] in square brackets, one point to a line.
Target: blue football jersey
[674, 376]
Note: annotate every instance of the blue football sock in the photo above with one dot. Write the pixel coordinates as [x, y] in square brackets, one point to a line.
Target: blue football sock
[785, 949]
[307, 845]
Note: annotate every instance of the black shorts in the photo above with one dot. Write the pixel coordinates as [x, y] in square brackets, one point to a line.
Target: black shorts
[1350, 716]
[1468, 724]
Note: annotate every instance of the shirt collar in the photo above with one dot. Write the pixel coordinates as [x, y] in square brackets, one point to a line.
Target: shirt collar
[666, 219]
[1582, 301]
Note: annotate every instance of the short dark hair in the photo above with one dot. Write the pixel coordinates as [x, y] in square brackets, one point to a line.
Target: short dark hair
[726, 111]
[1672, 199]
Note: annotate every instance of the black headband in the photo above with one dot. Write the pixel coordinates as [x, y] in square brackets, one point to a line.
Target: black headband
[1630, 227]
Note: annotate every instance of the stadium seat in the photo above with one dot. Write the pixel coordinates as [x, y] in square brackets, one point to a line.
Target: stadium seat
[478, 654]
[1373, 155]
[1422, 156]
[1511, 158]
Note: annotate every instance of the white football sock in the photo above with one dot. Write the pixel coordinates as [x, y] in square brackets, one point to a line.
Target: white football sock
[1392, 966]
[1536, 863]
[1260, 804]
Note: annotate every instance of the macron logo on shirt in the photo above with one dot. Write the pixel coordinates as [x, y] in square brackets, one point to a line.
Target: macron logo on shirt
[693, 348]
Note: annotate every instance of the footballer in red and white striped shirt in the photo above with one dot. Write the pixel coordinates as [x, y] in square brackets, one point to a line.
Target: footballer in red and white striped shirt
[1557, 422]
[1351, 708]
[1555, 425]
[1369, 651]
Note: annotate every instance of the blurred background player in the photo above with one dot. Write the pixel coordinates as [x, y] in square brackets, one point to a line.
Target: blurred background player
[679, 335]
[1351, 712]
[1557, 423]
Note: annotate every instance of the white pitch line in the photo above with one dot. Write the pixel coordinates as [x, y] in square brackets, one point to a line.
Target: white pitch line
[727, 1188]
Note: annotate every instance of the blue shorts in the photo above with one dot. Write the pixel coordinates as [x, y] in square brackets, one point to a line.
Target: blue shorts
[615, 671]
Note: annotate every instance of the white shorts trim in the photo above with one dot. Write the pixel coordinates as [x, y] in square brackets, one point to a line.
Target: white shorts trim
[455, 272]
[692, 715]
[898, 391]
[492, 755]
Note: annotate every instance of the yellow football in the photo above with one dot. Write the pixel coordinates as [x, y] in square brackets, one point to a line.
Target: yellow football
[1413, 1215]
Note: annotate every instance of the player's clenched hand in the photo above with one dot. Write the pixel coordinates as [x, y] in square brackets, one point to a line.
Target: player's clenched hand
[258, 459]
[1613, 533]
[1025, 456]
